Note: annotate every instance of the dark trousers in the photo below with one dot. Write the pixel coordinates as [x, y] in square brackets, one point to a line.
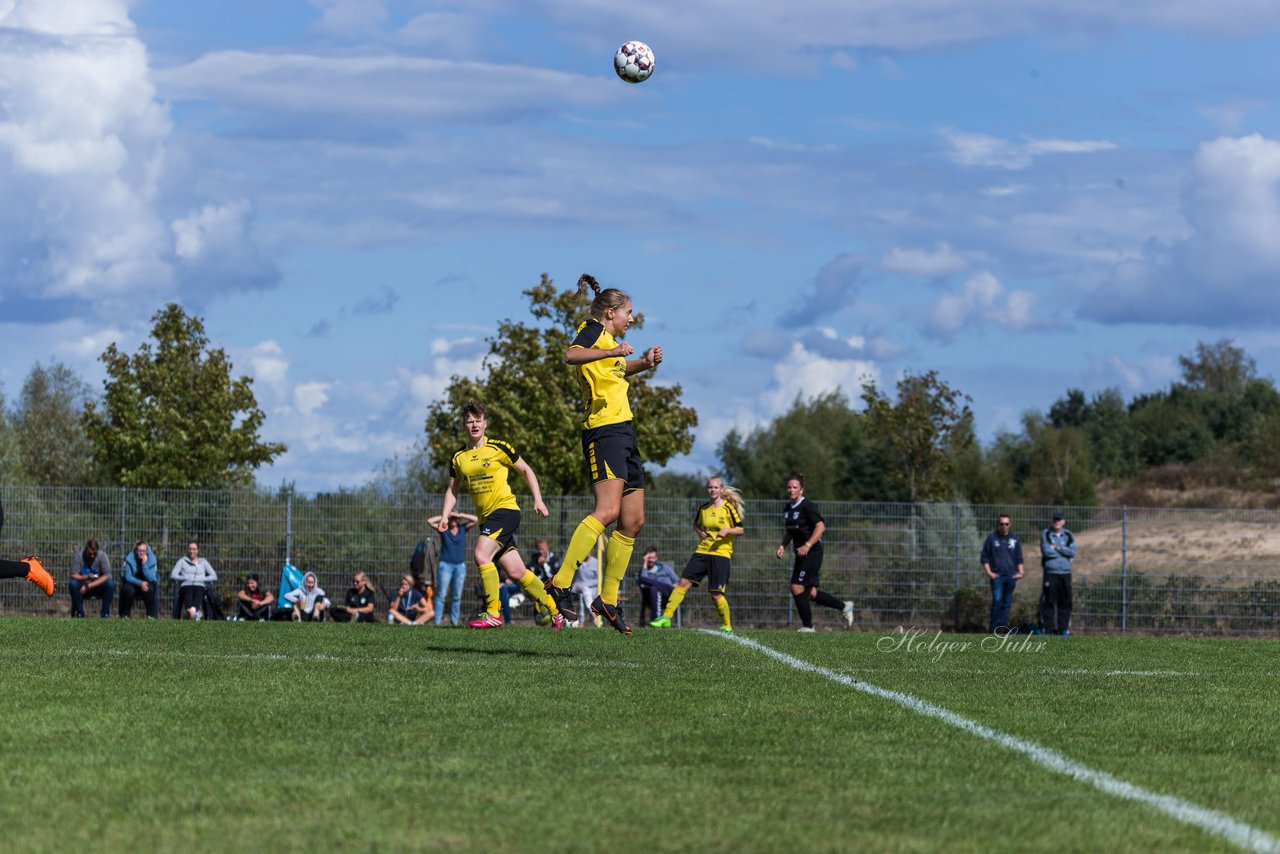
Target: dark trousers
[1055, 603]
[129, 593]
[245, 611]
[652, 596]
[106, 592]
[190, 596]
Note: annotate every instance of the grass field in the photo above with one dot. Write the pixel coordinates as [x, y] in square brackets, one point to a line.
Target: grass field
[217, 736]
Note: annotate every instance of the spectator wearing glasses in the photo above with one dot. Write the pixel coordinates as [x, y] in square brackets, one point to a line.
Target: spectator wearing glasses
[1002, 562]
[358, 607]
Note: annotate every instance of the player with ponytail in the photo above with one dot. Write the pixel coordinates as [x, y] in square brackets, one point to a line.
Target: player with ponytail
[716, 524]
[609, 446]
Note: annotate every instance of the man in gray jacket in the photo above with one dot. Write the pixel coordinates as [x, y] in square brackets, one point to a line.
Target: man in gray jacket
[1057, 550]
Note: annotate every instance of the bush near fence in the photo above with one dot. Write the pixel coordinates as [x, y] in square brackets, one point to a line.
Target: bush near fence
[1139, 569]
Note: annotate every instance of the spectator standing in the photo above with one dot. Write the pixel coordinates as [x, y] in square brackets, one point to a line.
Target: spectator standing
[656, 580]
[139, 580]
[309, 601]
[28, 568]
[452, 566]
[1002, 562]
[358, 606]
[252, 602]
[91, 579]
[1057, 550]
[192, 573]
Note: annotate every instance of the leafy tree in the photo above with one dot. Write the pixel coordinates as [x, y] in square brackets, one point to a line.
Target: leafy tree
[534, 401]
[172, 416]
[672, 484]
[821, 437]
[10, 465]
[920, 434]
[1061, 471]
[49, 429]
[1169, 427]
[1218, 368]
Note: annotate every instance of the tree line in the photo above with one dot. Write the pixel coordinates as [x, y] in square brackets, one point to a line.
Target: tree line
[173, 415]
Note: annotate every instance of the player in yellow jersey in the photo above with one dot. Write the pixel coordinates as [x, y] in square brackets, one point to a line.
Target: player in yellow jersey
[28, 568]
[716, 524]
[481, 467]
[609, 445]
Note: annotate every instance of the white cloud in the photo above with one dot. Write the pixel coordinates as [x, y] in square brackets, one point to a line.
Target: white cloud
[1223, 272]
[979, 304]
[308, 397]
[975, 149]
[270, 369]
[806, 374]
[941, 261]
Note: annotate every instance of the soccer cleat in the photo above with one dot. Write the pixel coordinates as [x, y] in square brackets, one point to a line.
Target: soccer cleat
[848, 614]
[486, 621]
[728, 630]
[1065, 633]
[564, 601]
[803, 629]
[38, 575]
[612, 613]
[557, 622]
[662, 622]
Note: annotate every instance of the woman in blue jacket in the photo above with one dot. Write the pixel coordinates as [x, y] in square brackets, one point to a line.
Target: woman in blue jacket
[140, 581]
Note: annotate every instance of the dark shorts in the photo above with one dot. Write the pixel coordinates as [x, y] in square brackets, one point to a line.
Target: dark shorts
[808, 568]
[701, 566]
[613, 454]
[501, 528]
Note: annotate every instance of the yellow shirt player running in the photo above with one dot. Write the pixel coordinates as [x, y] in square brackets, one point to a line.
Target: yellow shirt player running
[609, 445]
[717, 523]
[481, 468]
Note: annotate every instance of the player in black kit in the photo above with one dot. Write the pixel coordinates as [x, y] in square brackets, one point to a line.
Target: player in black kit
[804, 530]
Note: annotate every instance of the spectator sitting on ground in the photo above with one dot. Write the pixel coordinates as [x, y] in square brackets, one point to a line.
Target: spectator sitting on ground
[408, 606]
[309, 601]
[359, 605]
[91, 579]
[252, 602]
[192, 572]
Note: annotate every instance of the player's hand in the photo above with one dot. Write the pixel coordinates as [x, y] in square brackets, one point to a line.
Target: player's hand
[653, 357]
[781, 549]
[541, 509]
[802, 550]
[623, 349]
[723, 532]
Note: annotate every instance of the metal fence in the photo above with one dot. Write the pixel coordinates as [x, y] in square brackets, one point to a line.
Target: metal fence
[1138, 569]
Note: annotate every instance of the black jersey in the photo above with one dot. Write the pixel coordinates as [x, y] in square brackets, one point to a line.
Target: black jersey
[800, 519]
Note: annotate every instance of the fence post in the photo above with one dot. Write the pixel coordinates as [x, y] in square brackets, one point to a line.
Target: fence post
[288, 527]
[956, 549]
[1124, 569]
[124, 545]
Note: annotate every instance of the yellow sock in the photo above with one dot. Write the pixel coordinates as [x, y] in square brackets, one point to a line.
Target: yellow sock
[489, 581]
[537, 591]
[616, 557]
[580, 546]
[722, 607]
[677, 596]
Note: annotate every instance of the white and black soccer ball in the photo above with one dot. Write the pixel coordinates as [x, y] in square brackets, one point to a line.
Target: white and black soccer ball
[633, 62]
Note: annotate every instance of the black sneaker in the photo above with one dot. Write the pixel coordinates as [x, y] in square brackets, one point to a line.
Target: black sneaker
[564, 601]
[612, 613]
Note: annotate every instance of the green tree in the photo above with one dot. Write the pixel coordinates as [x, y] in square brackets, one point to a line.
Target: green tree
[821, 437]
[49, 428]
[921, 434]
[10, 467]
[1061, 470]
[1218, 368]
[172, 416]
[534, 401]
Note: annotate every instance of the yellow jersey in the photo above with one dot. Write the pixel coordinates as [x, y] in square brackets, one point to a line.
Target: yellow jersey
[604, 381]
[482, 471]
[712, 519]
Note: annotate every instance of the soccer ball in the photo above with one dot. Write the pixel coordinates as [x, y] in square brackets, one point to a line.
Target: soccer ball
[633, 62]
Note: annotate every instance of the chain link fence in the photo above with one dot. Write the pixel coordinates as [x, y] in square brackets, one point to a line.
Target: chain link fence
[1138, 569]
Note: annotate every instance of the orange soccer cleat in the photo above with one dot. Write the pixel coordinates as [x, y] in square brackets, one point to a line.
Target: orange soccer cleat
[38, 575]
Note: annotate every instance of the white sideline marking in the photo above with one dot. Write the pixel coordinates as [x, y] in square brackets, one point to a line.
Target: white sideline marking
[1235, 832]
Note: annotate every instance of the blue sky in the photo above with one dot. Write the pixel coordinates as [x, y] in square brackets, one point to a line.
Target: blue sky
[353, 192]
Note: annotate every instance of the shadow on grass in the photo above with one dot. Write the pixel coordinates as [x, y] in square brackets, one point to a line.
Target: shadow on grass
[517, 653]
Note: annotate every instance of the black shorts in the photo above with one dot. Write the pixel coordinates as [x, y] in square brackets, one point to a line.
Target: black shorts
[701, 566]
[808, 568]
[501, 528]
[613, 454]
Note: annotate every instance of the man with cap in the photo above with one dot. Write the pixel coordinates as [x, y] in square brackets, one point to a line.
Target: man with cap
[1057, 549]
